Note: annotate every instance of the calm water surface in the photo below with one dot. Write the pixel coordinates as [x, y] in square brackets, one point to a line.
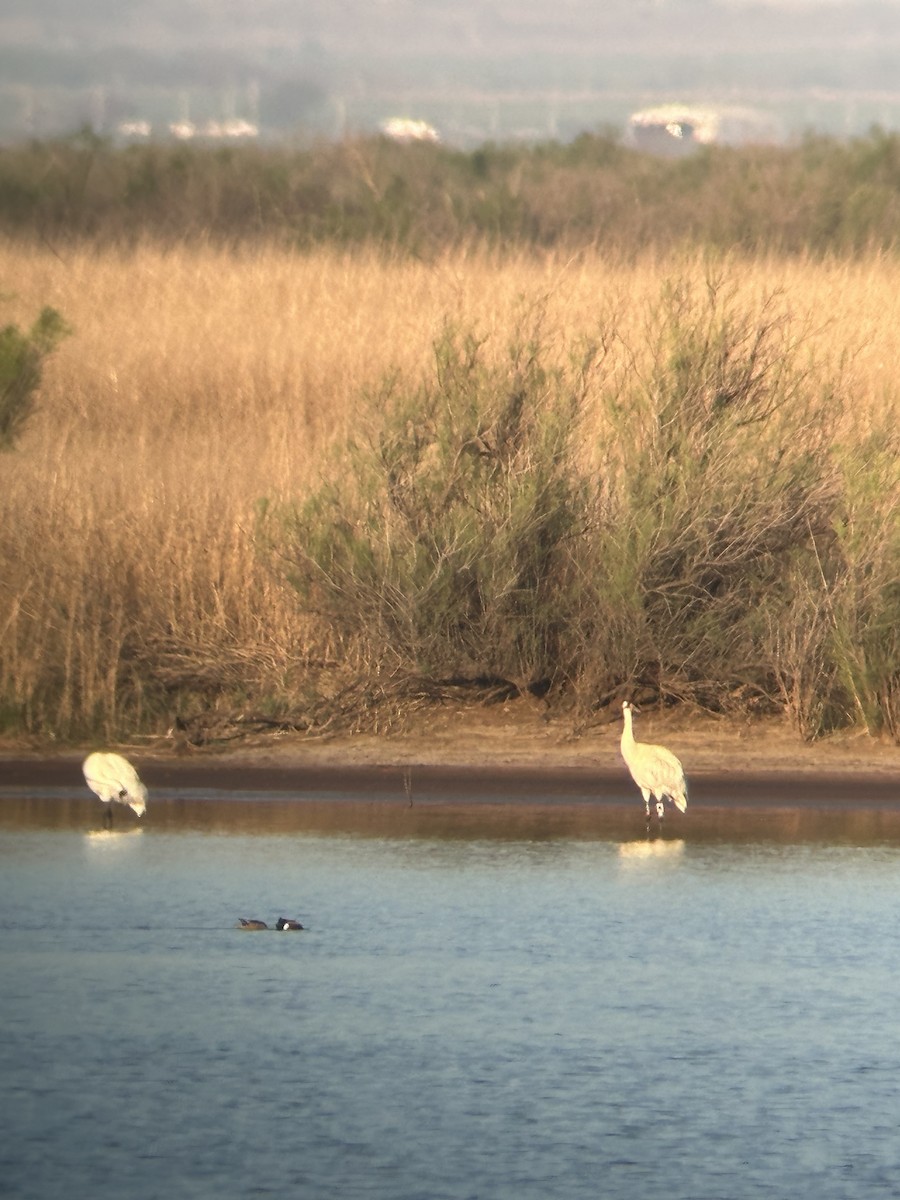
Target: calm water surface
[464, 1017]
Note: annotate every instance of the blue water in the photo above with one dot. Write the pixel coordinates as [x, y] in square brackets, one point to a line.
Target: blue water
[500, 1019]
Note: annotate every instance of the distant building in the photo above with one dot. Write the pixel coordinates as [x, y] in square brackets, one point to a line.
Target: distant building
[673, 129]
[405, 129]
[134, 129]
[183, 130]
[234, 127]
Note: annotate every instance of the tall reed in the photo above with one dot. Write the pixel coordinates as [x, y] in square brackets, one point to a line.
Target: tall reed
[633, 515]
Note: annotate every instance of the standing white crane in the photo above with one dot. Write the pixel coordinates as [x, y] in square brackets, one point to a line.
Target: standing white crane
[114, 780]
[654, 769]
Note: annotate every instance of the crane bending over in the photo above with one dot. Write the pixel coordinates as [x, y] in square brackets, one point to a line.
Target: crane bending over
[114, 780]
[654, 769]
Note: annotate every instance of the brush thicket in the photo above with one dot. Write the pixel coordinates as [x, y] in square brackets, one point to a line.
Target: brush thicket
[310, 488]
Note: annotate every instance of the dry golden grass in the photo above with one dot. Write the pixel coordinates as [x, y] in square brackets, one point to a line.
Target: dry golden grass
[199, 381]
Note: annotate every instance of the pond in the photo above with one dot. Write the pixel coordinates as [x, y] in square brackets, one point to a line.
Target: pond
[515, 1014]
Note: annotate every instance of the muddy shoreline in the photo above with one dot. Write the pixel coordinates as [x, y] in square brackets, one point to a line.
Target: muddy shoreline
[502, 755]
[504, 784]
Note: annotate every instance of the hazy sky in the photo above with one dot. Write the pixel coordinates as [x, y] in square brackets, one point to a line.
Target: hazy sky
[348, 29]
[366, 53]
[260, 22]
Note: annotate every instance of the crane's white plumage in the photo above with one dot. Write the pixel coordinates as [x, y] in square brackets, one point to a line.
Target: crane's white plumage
[114, 780]
[655, 770]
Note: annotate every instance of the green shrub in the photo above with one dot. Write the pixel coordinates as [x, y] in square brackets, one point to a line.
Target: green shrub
[449, 551]
[712, 548]
[823, 196]
[722, 481]
[863, 592]
[21, 362]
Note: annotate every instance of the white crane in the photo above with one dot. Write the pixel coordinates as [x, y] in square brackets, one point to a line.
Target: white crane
[654, 769]
[114, 780]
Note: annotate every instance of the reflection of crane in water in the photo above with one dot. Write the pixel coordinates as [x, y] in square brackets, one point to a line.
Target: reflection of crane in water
[654, 769]
[651, 848]
[114, 780]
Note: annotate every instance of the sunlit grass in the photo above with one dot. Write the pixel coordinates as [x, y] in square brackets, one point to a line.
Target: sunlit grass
[200, 382]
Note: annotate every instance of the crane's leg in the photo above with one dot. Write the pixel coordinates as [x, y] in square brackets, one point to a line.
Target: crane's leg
[660, 810]
[107, 817]
[646, 796]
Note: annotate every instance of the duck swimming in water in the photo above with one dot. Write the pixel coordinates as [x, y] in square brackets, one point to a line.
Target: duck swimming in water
[285, 923]
[251, 923]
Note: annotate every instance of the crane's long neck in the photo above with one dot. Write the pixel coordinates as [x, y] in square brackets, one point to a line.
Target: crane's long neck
[627, 731]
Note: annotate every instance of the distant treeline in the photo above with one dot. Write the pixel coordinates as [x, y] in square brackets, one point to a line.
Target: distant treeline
[819, 196]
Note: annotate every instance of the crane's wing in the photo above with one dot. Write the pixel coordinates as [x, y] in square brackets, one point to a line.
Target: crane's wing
[665, 775]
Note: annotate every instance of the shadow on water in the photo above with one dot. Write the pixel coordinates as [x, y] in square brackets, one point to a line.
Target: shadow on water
[461, 820]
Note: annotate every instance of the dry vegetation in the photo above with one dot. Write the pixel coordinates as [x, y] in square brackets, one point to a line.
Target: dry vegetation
[150, 571]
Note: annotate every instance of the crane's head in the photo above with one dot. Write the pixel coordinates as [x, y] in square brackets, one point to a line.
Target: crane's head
[627, 706]
[136, 799]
